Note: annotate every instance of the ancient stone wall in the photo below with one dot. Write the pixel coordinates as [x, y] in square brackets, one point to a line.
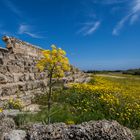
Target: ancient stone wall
[19, 76]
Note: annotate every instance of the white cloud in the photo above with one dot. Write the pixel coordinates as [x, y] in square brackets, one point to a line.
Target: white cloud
[23, 28]
[12, 7]
[26, 29]
[119, 26]
[132, 17]
[136, 6]
[135, 11]
[89, 28]
[93, 28]
[33, 35]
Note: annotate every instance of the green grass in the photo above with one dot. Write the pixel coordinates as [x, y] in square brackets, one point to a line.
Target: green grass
[59, 113]
[136, 133]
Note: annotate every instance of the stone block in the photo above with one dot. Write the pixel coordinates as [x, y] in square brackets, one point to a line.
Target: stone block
[22, 87]
[9, 89]
[3, 69]
[3, 79]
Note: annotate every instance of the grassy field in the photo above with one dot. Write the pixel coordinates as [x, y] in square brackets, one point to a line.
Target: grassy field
[104, 97]
[128, 83]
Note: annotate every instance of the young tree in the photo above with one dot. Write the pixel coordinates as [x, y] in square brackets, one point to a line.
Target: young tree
[56, 63]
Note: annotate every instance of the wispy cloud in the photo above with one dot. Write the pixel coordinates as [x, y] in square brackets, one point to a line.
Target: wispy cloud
[89, 28]
[120, 25]
[135, 11]
[13, 7]
[131, 17]
[26, 29]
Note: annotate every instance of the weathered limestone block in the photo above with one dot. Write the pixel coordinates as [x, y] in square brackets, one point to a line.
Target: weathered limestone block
[9, 89]
[13, 68]
[18, 77]
[22, 86]
[14, 135]
[11, 57]
[22, 78]
[3, 69]
[9, 77]
[31, 76]
[3, 79]
[1, 54]
[28, 69]
[3, 50]
[26, 76]
[19, 57]
[29, 85]
[5, 60]
[1, 61]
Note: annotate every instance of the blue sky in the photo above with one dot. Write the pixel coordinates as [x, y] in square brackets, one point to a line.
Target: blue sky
[96, 34]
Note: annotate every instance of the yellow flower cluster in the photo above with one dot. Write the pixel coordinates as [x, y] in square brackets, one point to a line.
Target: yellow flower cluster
[69, 122]
[117, 99]
[14, 104]
[1, 110]
[54, 61]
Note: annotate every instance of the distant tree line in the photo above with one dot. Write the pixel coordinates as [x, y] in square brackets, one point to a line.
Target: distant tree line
[132, 71]
[129, 71]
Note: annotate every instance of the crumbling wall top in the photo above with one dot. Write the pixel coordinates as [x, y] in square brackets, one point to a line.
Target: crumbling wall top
[3, 49]
[15, 45]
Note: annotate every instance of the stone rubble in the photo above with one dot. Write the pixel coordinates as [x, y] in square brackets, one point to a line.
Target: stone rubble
[93, 130]
[6, 125]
